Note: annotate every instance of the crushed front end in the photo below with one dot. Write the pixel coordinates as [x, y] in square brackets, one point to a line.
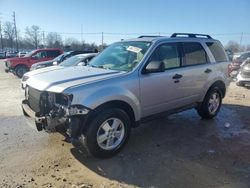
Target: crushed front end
[49, 110]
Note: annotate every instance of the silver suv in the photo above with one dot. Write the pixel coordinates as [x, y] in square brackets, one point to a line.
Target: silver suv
[129, 82]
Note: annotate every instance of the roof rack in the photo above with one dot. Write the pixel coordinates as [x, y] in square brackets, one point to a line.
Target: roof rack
[144, 36]
[190, 35]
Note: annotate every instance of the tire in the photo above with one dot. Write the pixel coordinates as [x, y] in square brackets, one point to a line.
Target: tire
[211, 104]
[20, 70]
[108, 132]
[241, 84]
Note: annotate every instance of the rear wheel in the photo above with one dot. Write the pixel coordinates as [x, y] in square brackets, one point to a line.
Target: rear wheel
[108, 132]
[239, 83]
[211, 104]
[20, 70]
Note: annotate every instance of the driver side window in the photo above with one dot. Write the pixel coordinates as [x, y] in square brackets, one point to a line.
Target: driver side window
[168, 54]
[39, 55]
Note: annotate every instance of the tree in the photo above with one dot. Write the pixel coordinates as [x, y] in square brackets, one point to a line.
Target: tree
[9, 33]
[33, 35]
[54, 40]
[72, 44]
[234, 46]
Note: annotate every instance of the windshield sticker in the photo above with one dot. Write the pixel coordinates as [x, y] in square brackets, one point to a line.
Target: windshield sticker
[134, 49]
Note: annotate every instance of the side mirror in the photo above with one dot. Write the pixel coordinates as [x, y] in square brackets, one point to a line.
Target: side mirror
[154, 66]
[81, 64]
[55, 63]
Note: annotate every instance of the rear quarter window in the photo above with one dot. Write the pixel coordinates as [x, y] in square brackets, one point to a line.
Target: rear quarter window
[217, 51]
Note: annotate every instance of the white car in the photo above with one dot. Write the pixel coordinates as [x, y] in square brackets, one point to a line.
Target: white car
[80, 59]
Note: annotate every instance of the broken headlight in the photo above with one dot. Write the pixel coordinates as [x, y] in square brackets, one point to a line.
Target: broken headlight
[63, 99]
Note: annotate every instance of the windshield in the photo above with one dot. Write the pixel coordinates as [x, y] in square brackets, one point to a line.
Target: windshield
[30, 53]
[58, 58]
[122, 56]
[72, 61]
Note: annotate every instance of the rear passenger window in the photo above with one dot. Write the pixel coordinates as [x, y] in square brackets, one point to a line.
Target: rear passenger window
[194, 53]
[53, 53]
[217, 51]
[168, 54]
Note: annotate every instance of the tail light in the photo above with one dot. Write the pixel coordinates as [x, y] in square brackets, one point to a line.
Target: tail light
[229, 69]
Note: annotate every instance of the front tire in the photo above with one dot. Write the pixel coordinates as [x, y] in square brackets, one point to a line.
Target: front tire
[108, 132]
[211, 104]
[20, 70]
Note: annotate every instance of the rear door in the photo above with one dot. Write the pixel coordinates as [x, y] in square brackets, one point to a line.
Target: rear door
[195, 71]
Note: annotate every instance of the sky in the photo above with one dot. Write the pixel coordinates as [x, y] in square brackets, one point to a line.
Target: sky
[86, 19]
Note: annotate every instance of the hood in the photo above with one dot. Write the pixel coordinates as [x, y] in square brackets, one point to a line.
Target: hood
[43, 70]
[46, 63]
[61, 79]
[16, 59]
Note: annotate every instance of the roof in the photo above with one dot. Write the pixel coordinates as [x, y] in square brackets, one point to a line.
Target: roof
[178, 37]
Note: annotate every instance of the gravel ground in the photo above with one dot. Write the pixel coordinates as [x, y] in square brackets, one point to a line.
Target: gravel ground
[180, 150]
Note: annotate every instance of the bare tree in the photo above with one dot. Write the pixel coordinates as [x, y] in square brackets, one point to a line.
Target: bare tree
[9, 33]
[54, 40]
[234, 46]
[72, 44]
[33, 35]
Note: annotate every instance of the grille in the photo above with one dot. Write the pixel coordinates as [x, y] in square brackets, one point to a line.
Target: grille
[245, 74]
[34, 98]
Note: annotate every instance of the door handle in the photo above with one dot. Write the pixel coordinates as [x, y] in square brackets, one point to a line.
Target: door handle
[208, 71]
[177, 76]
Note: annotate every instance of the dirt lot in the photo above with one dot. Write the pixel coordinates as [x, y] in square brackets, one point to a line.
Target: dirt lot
[178, 151]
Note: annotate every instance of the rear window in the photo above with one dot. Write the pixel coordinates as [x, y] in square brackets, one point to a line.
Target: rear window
[194, 53]
[217, 51]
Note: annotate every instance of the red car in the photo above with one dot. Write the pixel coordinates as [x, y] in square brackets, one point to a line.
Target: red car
[21, 65]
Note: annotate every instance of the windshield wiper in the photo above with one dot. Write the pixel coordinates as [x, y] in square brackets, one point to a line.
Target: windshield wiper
[99, 66]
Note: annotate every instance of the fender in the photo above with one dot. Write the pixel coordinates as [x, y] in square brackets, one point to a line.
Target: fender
[104, 95]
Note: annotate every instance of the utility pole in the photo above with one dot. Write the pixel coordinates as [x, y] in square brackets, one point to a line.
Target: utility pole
[43, 40]
[241, 37]
[102, 40]
[1, 35]
[14, 20]
[81, 33]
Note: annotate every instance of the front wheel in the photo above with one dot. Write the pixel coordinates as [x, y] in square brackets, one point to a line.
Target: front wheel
[108, 132]
[20, 70]
[211, 104]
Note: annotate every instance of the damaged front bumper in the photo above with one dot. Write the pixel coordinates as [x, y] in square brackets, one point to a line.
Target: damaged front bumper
[58, 115]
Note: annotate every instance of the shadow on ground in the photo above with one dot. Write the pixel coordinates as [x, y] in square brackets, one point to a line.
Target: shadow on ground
[182, 150]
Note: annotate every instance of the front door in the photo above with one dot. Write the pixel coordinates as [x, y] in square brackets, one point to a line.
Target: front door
[160, 91]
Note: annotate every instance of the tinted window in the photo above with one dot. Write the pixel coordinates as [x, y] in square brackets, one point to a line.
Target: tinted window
[194, 53]
[39, 55]
[168, 54]
[217, 51]
[53, 53]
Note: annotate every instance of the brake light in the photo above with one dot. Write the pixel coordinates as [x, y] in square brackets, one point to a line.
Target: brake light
[229, 69]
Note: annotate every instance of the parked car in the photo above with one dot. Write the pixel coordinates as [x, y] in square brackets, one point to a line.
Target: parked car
[57, 60]
[128, 83]
[80, 59]
[243, 78]
[2, 55]
[21, 65]
[21, 54]
[11, 54]
[238, 59]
